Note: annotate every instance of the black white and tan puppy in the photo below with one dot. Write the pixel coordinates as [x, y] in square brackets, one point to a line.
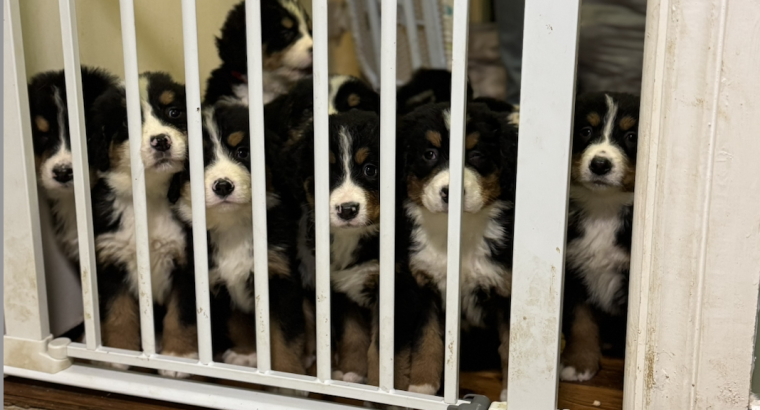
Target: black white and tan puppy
[511, 111]
[427, 86]
[163, 152]
[354, 227]
[286, 48]
[599, 227]
[487, 223]
[52, 145]
[227, 185]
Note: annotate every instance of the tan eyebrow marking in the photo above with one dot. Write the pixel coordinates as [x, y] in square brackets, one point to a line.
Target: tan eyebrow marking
[166, 98]
[627, 122]
[235, 138]
[41, 123]
[472, 140]
[361, 155]
[287, 22]
[354, 100]
[434, 137]
[594, 119]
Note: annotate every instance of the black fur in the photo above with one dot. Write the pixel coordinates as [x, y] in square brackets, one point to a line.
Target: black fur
[425, 87]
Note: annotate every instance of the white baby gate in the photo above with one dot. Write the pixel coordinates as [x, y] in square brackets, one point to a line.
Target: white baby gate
[696, 246]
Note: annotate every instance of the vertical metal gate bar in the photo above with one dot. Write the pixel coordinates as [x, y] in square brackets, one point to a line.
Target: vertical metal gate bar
[258, 182]
[134, 124]
[456, 173]
[321, 188]
[25, 296]
[548, 90]
[387, 191]
[78, 134]
[197, 192]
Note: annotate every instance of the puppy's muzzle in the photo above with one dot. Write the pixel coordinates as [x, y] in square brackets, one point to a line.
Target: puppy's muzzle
[223, 187]
[600, 166]
[348, 210]
[161, 142]
[63, 173]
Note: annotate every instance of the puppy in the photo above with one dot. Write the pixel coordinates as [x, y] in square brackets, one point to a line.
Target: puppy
[487, 225]
[512, 112]
[599, 227]
[427, 86]
[286, 51]
[227, 185]
[163, 152]
[354, 227]
[52, 145]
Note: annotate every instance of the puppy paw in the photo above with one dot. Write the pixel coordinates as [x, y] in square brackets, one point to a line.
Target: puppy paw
[177, 374]
[352, 377]
[240, 359]
[423, 389]
[571, 374]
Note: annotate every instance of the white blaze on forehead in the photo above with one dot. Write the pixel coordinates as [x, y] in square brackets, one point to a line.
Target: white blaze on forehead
[347, 190]
[60, 105]
[62, 154]
[609, 117]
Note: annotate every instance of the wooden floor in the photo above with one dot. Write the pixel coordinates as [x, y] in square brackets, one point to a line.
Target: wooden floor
[606, 388]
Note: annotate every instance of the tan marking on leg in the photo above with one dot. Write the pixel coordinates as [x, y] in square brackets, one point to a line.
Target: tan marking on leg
[428, 356]
[583, 351]
[286, 355]
[242, 332]
[178, 339]
[121, 327]
[354, 343]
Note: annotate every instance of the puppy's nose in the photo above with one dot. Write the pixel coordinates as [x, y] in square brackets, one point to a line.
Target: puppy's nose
[63, 173]
[223, 187]
[600, 166]
[161, 142]
[348, 210]
[445, 194]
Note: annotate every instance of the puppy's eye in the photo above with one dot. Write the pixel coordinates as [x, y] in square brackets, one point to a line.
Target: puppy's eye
[586, 132]
[174, 113]
[631, 138]
[475, 157]
[242, 153]
[370, 171]
[430, 155]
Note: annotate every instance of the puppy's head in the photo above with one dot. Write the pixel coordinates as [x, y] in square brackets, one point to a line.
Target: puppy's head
[426, 157]
[50, 124]
[350, 93]
[354, 169]
[427, 86]
[163, 147]
[285, 35]
[605, 136]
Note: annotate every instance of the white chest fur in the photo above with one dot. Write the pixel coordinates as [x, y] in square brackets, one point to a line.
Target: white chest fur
[167, 244]
[595, 254]
[429, 254]
[233, 263]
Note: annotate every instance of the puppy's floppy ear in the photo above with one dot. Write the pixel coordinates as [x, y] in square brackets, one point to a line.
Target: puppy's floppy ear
[109, 117]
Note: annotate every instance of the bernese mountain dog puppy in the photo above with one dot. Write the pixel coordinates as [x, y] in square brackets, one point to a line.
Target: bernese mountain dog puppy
[427, 86]
[511, 111]
[599, 228]
[286, 48]
[163, 153]
[52, 145]
[227, 185]
[354, 227]
[487, 226]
